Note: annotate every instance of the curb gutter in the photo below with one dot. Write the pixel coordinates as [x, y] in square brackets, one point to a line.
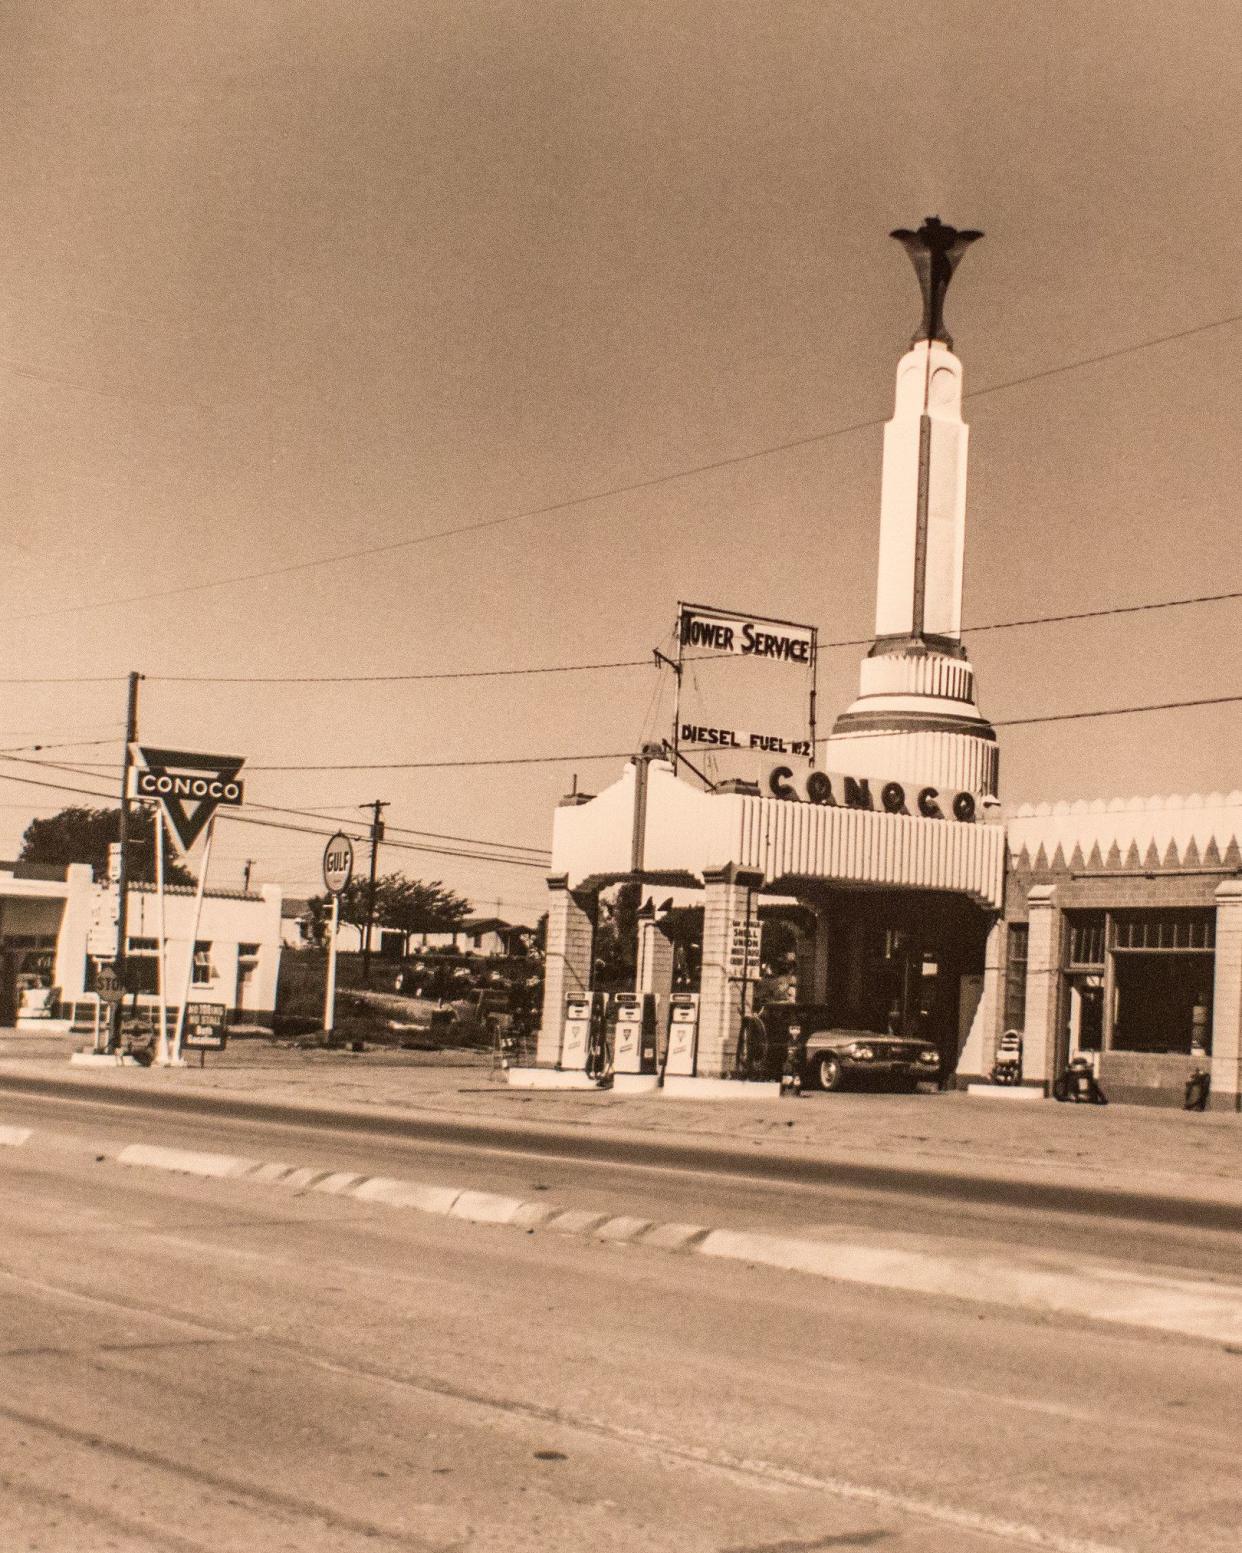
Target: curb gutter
[1100, 1292]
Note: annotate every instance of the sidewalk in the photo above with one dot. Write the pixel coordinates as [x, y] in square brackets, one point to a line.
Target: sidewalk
[1130, 1148]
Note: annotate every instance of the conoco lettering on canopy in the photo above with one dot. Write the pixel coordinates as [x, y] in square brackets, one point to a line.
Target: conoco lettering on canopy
[855, 793]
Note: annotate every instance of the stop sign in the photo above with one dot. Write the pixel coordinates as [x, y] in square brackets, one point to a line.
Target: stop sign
[338, 863]
[108, 984]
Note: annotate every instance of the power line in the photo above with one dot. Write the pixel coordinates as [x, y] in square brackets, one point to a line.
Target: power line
[646, 663]
[66, 679]
[435, 835]
[541, 853]
[567, 504]
[1116, 711]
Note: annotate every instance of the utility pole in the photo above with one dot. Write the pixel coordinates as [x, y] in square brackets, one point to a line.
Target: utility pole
[122, 872]
[377, 808]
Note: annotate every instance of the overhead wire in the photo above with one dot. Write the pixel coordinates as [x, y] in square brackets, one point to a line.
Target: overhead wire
[567, 504]
[1144, 607]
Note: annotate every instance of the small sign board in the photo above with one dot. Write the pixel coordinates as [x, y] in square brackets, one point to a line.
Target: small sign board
[744, 941]
[108, 985]
[338, 863]
[205, 1027]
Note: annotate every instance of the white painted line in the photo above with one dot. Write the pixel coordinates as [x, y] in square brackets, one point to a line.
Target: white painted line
[1095, 1292]
[577, 1221]
[339, 1181]
[676, 1237]
[14, 1137]
[187, 1161]
[485, 1207]
[623, 1228]
[408, 1194]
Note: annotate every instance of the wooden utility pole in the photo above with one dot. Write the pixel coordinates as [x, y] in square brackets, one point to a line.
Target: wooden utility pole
[122, 872]
[377, 808]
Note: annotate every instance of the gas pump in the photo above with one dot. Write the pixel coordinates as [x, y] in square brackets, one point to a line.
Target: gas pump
[683, 1034]
[634, 1032]
[584, 1016]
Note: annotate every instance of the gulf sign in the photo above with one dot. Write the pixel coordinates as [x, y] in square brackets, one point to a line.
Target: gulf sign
[846, 792]
[746, 638]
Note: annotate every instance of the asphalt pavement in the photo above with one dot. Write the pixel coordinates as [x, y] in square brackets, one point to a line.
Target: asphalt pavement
[196, 1363]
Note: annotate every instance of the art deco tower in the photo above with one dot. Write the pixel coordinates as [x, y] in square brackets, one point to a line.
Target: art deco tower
[915, 718]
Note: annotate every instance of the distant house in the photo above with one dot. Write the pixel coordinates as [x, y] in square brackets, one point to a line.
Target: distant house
[478, 935]
[294, 913]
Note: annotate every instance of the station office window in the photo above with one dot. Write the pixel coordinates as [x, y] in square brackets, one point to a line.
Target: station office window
[142, 972]
[204, 972]
[1163, 963]
[1015, 976]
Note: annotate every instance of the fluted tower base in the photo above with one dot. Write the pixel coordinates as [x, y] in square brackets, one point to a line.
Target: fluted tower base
[915, 720]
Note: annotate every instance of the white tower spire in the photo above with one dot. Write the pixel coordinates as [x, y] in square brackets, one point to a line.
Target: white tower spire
[915, 717]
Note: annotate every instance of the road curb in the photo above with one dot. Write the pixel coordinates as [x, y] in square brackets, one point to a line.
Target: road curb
[1110, 1293]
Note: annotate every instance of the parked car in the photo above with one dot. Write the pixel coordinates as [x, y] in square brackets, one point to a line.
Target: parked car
[830, 1056]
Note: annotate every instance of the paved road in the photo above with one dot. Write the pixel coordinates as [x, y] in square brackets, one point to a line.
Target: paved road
[194, 1364]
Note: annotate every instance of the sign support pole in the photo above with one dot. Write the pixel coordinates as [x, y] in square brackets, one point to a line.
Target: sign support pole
[329, 996]
[161, 1050]
[677, 689]
[814, 687]
[122, 872]
[189, 968]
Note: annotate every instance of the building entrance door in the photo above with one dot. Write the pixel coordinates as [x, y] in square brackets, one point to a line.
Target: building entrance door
[899, 961]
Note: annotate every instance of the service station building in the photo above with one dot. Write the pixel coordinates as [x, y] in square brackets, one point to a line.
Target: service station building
[1109, 930]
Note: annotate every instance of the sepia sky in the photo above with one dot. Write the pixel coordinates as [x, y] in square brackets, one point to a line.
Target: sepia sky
[283, 282]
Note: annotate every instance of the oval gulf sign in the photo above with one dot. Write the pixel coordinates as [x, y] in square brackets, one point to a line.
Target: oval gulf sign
[338, 863]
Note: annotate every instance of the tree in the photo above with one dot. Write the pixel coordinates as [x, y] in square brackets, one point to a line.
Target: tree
[404, 906]
[616, 938]
[82, 835]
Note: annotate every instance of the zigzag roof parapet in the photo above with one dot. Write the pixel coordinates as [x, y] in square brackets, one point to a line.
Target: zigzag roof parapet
[1177, 830]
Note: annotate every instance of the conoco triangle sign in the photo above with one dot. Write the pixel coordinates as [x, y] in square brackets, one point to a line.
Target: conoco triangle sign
[190, 787]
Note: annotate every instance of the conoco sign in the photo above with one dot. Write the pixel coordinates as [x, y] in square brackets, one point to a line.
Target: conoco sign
[846, 792]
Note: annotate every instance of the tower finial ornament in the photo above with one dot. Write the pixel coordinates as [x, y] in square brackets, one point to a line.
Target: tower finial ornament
[935, 251]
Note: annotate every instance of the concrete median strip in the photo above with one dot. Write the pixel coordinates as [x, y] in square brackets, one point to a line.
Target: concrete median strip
[1099, 1291]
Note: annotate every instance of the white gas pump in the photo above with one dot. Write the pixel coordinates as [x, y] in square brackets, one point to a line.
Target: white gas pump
[627, 1032]
[580, 1011]
[683, 1034]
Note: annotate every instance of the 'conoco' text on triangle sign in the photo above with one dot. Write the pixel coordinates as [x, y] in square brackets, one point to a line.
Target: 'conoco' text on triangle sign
[190, 787]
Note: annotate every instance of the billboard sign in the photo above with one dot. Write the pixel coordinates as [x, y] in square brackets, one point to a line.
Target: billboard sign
[777, 640]
[189, 787]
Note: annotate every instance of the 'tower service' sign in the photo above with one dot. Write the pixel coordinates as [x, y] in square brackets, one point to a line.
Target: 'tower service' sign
[190, 787]
[747, 638]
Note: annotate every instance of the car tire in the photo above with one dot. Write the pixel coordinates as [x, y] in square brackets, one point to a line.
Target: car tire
[829, 1072]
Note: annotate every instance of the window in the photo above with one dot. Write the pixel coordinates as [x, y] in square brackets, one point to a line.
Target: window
[142, 966]
[1086, 938]
[204, 971]
[1149, 930]
[1015, 976]
[247, 951]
